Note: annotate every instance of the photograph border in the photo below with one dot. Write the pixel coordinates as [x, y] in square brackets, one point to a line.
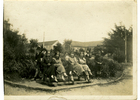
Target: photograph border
[88, 97]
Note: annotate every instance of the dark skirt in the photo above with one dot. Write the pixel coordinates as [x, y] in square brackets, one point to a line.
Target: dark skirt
[49, 70]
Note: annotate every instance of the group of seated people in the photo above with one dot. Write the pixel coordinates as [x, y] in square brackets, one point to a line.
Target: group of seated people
[52, 66]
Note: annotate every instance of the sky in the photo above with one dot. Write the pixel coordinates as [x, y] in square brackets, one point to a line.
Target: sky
[57, 20]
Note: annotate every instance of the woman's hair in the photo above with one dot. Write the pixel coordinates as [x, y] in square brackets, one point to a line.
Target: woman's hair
[72, 53]
[44, 50]
[81, 53]
[38, 48]
[56, 53]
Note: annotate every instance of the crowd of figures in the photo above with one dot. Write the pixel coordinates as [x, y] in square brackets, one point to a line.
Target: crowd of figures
[80, 64]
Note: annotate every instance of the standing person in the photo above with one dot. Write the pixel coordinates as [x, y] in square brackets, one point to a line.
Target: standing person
[38, 63]
[98, 64]
[74, 66]
[59, 66]
[82, 62]
[49, 69]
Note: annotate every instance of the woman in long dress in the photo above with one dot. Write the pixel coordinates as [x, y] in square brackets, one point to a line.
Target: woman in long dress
[82, 62]
[74, 67]
[49, 69]
[60, 70]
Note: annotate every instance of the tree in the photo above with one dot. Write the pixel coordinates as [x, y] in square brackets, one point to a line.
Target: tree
[58, 47]
[15, 45]
[15, 55]
[67, 45]
[33, 44]
[116, 40]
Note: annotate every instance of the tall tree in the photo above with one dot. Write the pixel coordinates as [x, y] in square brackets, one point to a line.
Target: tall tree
[115, 44]
[33, 44]
[116, 39]
[67, 45]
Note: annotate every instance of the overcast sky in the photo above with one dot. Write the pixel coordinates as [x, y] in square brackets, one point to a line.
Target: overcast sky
[79, 21]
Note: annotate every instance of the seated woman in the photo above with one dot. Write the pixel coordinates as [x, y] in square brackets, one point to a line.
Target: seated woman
[48, 67]
[82, 62]
[74, 67]
[59, 66]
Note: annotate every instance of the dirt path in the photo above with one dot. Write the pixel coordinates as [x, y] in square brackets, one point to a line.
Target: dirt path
[122, 87]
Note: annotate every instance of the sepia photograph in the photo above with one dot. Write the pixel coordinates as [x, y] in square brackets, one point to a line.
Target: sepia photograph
[60, 50]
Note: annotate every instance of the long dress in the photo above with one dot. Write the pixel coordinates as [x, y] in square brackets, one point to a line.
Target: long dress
[74, 66]
[58, 64]
[48, 66]
[82, 62]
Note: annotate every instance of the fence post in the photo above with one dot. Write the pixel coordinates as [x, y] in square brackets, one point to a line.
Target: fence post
[125, 47]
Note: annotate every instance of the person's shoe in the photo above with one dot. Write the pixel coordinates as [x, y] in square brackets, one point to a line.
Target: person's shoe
[52, 76]
[70, 73]
[65, 75]
[55, 79]
[62, 77]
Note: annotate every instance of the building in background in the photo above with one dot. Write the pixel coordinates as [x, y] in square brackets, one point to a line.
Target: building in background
[76, 45]
[48, 44]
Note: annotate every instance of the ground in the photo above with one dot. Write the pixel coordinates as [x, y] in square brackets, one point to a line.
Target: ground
[122, 87]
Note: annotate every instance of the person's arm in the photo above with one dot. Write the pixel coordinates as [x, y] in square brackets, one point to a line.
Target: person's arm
[43, 62]
[55, 63]
[70, 61]
[76, 61]
[84, 60]
[60, 60]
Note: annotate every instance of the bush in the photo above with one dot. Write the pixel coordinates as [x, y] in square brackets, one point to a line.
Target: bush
[15, 59]
[119, 56]
[110, 67]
